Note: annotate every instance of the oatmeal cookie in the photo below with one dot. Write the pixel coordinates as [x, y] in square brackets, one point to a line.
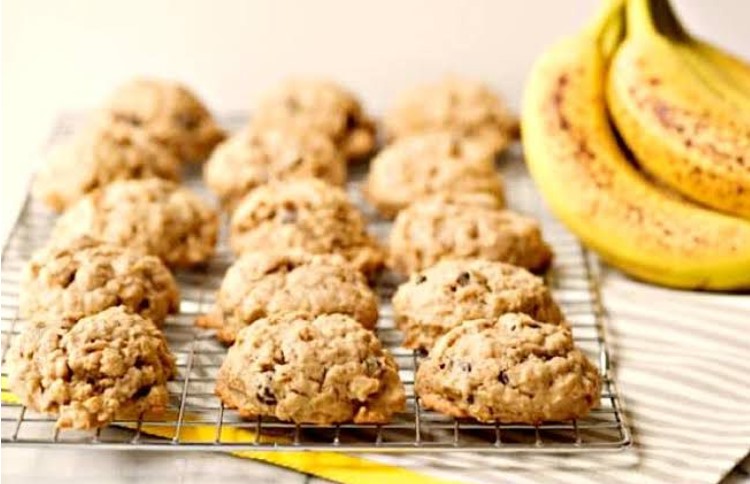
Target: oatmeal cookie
[96, 157]
[511, 370]
[264, 283]
[464, 106]
[434, 229]
[113, 364]
[323, 370]
[252, 158]
[426, 164]
[322, 106]
[169, 112]
[84, 276]
[445, 295]
[308, 215]
[155, 216]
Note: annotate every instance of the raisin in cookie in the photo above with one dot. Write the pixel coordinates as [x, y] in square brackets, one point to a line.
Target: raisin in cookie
[156, 216]
[113, 364]
[511, 370]
[252, 158]
[445, 295]
[464, 106]
[438, 228]
[96, 157]
[323, 370]
[263, 283]
[85, 276]
[426, 164]
[308, 215]
[322, 106]
[167, 111]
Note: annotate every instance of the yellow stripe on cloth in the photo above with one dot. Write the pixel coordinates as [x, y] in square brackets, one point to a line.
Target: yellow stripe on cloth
[334, 466]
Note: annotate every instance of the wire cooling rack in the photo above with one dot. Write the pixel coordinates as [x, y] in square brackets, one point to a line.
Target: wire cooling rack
[197, 420]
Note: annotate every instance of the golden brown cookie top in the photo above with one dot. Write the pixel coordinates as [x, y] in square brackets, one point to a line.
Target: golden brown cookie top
[510, 369]
[464, 106]
[254, 157]
[447, 294]
[435, 229]
[427, 164]
[311, 369]
[113, 363]
[308, 215]
[155, 216]
[84, 276]
[264, 283]
[167, 111]
[97, 156]
[309, 104]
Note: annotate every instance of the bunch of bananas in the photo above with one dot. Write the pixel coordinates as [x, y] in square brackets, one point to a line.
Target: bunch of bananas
[638, 136]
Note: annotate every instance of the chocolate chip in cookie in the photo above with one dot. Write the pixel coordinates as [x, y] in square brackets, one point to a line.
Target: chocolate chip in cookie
[252, 158]
[447, 294]
[168, 112]
[154, 216]
[460, 227]
[334, 371]
[265, 283]
[111, 364]
[532, 375]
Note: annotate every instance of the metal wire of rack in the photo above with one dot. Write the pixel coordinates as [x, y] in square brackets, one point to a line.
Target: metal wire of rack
[197, 420]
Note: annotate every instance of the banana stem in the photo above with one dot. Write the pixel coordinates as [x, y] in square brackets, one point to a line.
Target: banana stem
[612, 35]
[640, 18]
[668, 21]
[611, 9]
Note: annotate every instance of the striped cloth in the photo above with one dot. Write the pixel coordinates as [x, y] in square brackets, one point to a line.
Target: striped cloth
[683, 363]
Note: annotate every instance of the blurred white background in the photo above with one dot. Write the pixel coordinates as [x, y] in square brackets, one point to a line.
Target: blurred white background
[62, 54]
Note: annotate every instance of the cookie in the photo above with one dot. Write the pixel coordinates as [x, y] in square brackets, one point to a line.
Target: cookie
[112, 364]
[422, 165]
[512, 369]
[322, 106]
[439, 228]
[264, 283]
[321, 370]
[252, 158]
[155, 216]
[169, 112]
[84, 276]
[445, 295]
[466, 107]
[308, 215]
[96, 157]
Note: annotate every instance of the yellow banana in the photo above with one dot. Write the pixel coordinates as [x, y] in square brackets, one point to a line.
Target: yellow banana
[676, 127]
[724, 83]
[733, 67]
[576, 162]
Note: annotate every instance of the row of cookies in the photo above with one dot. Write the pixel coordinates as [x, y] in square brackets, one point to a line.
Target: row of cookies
[499, 348]
[117, 179]
[91, 349]
[444, 138]
[96, 296]
[146, 128]
[296, 306]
